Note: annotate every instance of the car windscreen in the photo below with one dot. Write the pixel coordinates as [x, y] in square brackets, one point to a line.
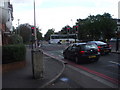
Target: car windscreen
[88, 47]
[97, 42]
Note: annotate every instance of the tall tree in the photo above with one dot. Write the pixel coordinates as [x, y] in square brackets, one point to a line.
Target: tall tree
[39, 35]
[108, 26]
[66, 30]
[48, 33]
[95, 27]
[24, 30]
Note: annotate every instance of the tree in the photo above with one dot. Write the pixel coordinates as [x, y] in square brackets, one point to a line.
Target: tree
[95, 27]
[47, 35]
[108, 26]
[39, 35]
[24, 30]
[66, 29]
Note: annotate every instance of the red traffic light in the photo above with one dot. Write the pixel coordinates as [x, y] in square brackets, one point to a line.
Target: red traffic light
[76, 26]
[32, 27]
[68, 28]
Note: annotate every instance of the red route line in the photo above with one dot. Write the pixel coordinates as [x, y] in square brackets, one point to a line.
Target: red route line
[88, 70]
[96, 73]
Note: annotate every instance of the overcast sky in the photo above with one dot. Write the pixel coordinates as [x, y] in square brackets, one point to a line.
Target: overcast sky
[58, 13]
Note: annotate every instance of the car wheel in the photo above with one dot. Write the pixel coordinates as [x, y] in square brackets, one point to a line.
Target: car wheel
[64, 57]
[76, 60]
[96, 60]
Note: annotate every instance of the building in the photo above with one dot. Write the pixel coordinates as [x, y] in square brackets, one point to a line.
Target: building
[6, 18]
[118, 27]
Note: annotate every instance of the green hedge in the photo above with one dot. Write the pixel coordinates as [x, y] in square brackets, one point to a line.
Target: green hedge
[13, 53]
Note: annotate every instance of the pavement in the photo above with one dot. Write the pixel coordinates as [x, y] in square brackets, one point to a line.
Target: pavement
[23, 77]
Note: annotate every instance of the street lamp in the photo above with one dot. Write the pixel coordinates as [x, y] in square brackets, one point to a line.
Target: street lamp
[35, 33]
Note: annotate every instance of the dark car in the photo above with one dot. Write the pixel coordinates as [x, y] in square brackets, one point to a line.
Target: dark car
[104, 47]
[82, 52]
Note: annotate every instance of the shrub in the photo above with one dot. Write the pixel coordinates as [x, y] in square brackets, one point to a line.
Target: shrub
[13, 53]
[15, 39]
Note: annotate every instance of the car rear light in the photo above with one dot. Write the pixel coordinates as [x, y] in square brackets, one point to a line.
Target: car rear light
[98, 50]
[99, 46]
[110, 45]
[82, 52]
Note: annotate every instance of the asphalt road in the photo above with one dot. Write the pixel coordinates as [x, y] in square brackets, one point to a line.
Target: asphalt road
[106, 68]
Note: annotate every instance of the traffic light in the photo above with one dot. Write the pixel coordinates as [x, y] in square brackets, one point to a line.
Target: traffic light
[32, 29]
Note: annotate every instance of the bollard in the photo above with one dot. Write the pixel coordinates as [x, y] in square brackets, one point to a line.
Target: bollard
[37, 63]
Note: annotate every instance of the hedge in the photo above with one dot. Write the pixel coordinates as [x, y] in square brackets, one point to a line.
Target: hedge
[13, 53]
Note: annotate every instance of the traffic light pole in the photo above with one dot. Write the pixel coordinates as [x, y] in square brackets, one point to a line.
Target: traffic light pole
[75, 33]
[68, 33]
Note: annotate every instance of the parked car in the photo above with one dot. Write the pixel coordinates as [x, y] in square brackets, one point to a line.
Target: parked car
[82, 52]
[103, 47]
[114, 40]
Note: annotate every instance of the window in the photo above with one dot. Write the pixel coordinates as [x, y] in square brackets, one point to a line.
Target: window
[74, 48]
[1, 4]
[70, 48]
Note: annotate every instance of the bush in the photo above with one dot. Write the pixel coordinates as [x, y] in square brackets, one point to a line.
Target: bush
[15, 39]
[13, 53]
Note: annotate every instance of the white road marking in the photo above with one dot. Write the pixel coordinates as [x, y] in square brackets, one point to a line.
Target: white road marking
[61, 56]
[115, 63]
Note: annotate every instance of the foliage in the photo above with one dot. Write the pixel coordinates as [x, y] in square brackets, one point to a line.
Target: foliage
[25, 31]
[15, 39]
[65, 30]
[39, 35]
[99, 27]
[13, 53]
[96, 27]
[47, 35]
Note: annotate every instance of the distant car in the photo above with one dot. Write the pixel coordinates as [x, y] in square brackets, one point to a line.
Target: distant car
[82, 52]
[114, 40]
[103, 47]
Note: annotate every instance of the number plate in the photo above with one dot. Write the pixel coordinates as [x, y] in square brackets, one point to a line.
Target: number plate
[106, 50]
[92, 56]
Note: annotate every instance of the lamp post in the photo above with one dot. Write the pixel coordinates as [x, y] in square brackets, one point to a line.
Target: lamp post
[35, 33]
